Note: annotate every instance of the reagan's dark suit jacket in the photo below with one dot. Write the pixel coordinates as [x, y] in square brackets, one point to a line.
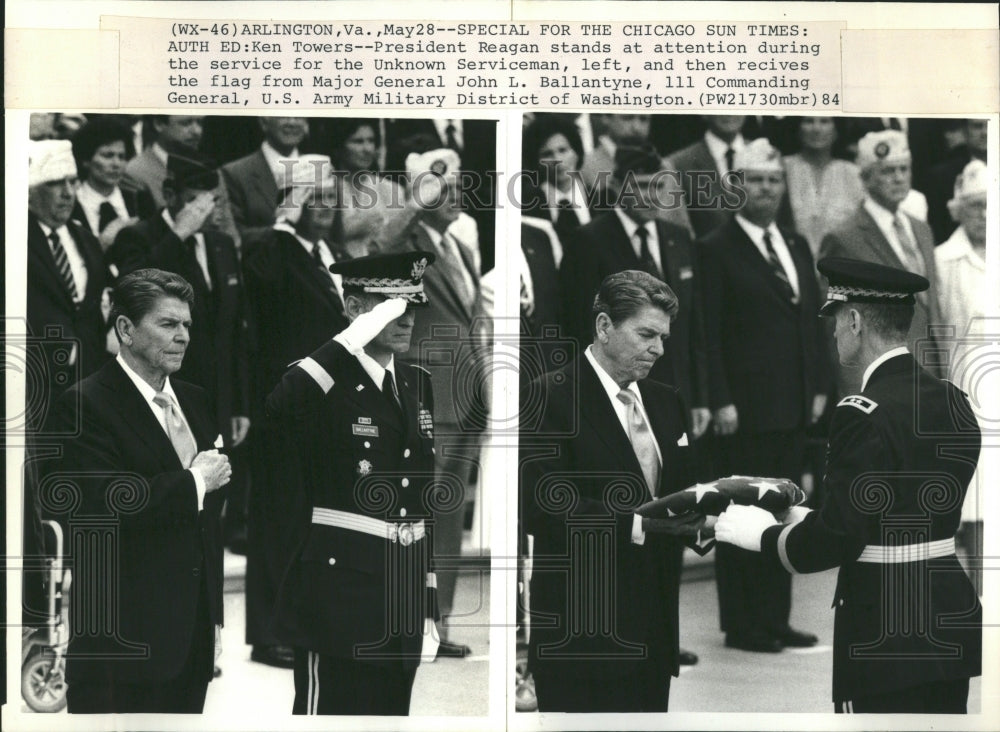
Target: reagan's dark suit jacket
[50, 306]
[772, 352]
[217, 356]
[253, 195]
[860, 238]
[580, 484]
[348, 593]
[124, 470]
[294, 307]
[603, 248]
[900, 460]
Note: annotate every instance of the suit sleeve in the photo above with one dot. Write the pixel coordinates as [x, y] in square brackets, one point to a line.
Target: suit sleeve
[93, 463]
[837, 533]
[298, 397]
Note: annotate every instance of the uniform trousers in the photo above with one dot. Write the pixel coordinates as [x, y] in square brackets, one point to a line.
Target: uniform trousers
[332, 685]
[643, 689]
[937, 697]
[753, 594]
[102, 693]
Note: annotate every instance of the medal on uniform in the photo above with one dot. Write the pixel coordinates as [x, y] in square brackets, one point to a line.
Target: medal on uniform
[425, 422]
[364, 467]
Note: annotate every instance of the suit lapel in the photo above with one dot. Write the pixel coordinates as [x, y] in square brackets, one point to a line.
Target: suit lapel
[597, 411]
[198, 416]
[133, 409]
[422, 240]
[262, 179]
[311, 275]
[879, 245]
[752, 256]
[40, 249]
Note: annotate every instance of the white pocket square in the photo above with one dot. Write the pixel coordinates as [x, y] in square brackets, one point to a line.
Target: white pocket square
[683, 441]
[218, 443]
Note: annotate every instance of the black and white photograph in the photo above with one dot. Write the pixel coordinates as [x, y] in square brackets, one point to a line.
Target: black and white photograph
[750, 414]
[257, 395]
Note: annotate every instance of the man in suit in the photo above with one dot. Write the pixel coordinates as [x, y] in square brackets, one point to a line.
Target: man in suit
[761, 297]
[67, 277]
[448, 323]
[606, 440]
[630, 237]
[288, 281]
[140, 446]
[357, 601]
[908, 628]
[254, 182]
[474, 141]
[882, 233]
[179, 239]
[147, 171]
[938, 182]
[707, 167]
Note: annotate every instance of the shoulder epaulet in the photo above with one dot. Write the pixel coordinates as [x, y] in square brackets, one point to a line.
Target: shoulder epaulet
[857, 401]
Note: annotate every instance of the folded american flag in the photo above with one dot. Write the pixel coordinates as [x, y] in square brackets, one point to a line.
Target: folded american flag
[776, 495]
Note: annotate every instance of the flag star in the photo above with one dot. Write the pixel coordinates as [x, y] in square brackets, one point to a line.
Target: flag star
[701, 489]
[766, 486]
[670, 514]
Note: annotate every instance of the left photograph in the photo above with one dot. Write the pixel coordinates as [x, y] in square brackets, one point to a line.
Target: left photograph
[255, 355]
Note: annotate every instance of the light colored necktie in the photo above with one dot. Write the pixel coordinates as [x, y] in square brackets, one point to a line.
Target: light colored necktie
[177, 430]
[641, 438]
[912, 259]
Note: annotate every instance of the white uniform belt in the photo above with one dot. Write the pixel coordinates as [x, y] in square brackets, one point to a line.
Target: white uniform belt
[405, 533]
[877, 554]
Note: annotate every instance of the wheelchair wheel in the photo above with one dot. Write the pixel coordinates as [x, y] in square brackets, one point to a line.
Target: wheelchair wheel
[43, 688]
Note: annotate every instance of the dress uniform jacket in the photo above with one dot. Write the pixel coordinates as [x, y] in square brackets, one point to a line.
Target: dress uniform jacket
[128, 478]
[347, 593]
[580, 474]
[901, 456]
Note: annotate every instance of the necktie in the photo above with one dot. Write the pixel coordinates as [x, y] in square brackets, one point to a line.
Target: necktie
[641, 438]
[177, 430]
[911, 257]
[566, 220]
[62, 265]
[730, 159]
[779, 271]
[450, 139]
[389, 389]
[646, 261]
[200, 256]
[105, 215]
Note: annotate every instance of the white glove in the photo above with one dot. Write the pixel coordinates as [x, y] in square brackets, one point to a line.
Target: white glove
[796, 514]
[742, 526]
[368, 325]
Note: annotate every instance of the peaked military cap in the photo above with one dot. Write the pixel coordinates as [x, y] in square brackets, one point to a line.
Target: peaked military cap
[393, 275]
[852, 280]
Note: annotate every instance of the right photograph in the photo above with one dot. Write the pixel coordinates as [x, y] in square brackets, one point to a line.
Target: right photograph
[750, 414]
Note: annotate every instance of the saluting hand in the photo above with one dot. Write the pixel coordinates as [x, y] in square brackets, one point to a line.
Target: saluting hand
[193, 216]
[368, 325]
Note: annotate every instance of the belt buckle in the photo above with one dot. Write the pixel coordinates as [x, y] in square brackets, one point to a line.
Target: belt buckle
[406, 534]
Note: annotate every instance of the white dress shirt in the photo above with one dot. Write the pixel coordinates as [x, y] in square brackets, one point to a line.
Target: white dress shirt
[90, 201]
[652, 239]
[148, 392]
[717, 147]
[884, 220]
[77, 264]
[621, 411]
[756, 235]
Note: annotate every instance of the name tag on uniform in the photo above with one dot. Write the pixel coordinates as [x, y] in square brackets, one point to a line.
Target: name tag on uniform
[365, 430]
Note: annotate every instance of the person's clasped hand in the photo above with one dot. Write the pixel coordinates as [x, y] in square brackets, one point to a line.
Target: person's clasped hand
[742, 526]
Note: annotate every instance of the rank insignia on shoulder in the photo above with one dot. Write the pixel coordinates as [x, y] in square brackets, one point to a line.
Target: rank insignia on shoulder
[425, 422]
[364, 467]
[857, 401]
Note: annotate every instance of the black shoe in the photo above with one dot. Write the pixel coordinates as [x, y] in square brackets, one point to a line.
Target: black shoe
[754, 641]
[447, 649]
[279, 656]
[796, 638]
[686, 658]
